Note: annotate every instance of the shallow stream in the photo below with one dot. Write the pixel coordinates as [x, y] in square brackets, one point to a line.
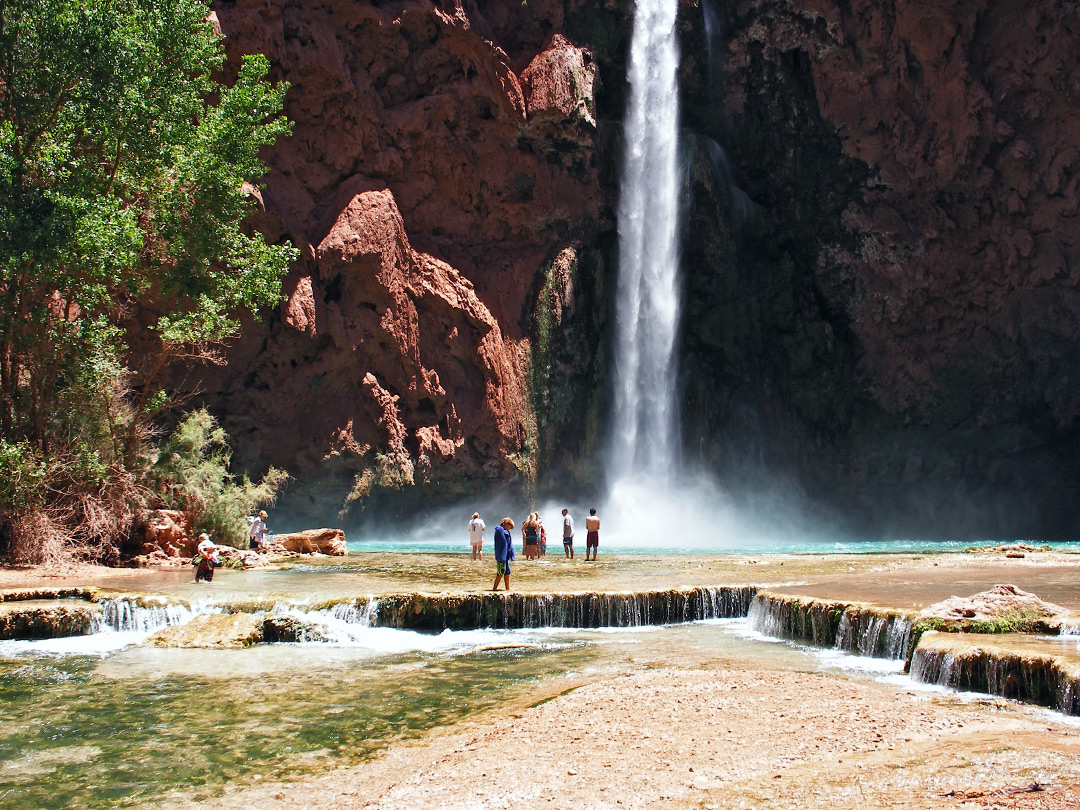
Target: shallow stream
[136, 726]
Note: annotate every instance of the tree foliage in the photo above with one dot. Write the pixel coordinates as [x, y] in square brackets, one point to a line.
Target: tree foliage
[125, 176]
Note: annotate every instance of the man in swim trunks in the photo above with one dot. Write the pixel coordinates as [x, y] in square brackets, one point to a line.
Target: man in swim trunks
[504, 552]
[568, 534]
[592, 538]
[476, 536]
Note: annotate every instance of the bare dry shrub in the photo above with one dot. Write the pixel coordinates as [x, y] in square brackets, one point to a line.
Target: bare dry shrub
[36, 539]
[78, 523]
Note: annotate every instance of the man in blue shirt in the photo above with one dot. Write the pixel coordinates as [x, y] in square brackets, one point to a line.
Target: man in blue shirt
[504, 552]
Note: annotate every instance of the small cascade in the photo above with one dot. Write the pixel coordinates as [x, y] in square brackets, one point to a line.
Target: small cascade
[966, 665]
[127, 615]
[341, 623]
[874, 635]
[849, 627]
[582, 610]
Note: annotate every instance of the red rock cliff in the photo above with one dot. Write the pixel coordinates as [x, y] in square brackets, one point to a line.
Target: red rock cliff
[906, 334]
[440, 159]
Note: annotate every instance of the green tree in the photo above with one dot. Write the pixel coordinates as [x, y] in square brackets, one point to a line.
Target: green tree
[125, 176]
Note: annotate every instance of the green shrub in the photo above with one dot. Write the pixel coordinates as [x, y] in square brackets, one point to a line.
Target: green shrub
[191, 473]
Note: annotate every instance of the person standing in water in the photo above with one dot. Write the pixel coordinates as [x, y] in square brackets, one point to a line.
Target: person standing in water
[568, 534]
[476, 536]
[257, 533]
[592, 538]
[543, 534]
[530, 537]
[208, 559]
[504, 552]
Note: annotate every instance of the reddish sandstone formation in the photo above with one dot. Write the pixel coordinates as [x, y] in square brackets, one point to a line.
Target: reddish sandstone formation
[427, 184]
[966, 113]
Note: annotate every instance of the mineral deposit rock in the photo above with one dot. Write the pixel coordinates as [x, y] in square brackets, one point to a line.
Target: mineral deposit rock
[312, 541]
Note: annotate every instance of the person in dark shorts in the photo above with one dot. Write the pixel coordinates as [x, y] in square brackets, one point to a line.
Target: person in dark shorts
[530, 537]
[504, 552]
[592, 538]
[568, 534]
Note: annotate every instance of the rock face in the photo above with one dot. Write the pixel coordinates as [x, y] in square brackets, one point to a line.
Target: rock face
[441, 159]
[882, 288]
[887, 307]
[165, 537]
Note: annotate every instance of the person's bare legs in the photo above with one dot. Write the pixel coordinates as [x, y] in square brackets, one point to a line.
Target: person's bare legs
[495, 587]
[506, 579]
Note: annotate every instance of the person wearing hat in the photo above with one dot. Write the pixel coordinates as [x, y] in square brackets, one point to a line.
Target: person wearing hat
[257, 533]
[207, 560]
[504, 552]
[476, 536]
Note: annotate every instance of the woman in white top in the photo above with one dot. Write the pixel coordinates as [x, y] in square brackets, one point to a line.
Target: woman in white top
[476, 536]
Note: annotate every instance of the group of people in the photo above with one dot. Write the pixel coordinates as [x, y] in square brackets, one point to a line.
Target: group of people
[533, 540]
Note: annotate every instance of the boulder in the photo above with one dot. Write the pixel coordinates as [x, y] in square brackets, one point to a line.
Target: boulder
[1002, 608]
[212, 631]
[311, 541]
[168, 533]
[242, 557]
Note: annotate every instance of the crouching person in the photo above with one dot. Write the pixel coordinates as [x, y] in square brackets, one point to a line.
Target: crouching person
[209, 558]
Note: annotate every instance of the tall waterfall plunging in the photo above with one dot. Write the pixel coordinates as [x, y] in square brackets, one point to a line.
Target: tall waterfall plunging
[645, 434]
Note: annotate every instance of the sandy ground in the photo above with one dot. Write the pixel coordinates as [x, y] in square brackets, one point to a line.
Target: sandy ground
[723, 737]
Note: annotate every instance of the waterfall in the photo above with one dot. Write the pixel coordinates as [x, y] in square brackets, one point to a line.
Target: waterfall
[959, 663]
[850, 628]
[127, 615]
[645, 439]
[579, 610]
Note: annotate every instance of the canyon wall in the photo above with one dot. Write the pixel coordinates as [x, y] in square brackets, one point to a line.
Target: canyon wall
[442, 184]
[882, 281]
[885, 305]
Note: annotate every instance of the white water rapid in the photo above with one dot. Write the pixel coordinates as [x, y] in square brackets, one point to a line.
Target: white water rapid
[645, 434]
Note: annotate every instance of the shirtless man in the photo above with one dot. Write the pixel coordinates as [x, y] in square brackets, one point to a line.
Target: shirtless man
[592, 538]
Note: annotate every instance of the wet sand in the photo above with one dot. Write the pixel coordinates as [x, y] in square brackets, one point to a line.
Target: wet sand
[902, 581]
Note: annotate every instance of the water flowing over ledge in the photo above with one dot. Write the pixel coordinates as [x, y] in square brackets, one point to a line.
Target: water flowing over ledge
[978, 665]
[848, 626]
[406, 611]
[573, 610]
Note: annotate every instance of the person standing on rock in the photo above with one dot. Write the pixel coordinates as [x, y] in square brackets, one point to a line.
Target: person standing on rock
[476, 536]
[592, 538]
[257, 533]
[543, 534]
[208, 559]
[504, 552]
[567, 534]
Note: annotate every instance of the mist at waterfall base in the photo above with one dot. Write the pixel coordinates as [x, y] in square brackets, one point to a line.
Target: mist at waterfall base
[690, 514]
